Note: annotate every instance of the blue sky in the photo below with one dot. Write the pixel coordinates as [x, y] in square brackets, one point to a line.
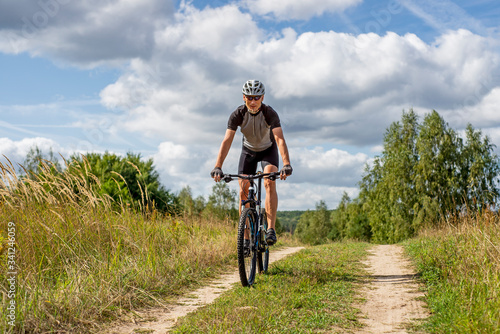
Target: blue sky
[160, 78]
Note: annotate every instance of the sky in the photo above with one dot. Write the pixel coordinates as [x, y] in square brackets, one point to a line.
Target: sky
[160, 78]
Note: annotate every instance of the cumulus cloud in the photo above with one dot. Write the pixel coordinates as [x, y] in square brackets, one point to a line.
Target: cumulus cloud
[186, 69]
[297, 9]
[16, 151]
[480, 111]
[293, 196]
[328, 167]
[343, 82]
[347, 67]
[85, 33]
[329, 89]
[181, 165]
[184, 72]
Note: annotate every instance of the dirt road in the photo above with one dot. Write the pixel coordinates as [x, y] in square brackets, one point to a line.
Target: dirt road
[391, 294]
[160, 320]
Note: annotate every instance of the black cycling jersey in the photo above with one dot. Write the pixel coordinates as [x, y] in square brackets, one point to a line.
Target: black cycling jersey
[256, 128]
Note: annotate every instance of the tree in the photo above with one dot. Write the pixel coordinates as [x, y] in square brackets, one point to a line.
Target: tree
[340, 219]
[426, 172]
[314, 226]
[222, 201]
[186, 201]
[189, 205]
[438, 172]
[388, 190]
[199, 204]
[350, 221]
[128, 180]
[35, 157]
[480, 168]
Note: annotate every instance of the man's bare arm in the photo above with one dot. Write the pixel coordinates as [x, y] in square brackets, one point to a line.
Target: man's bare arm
[224, 148]
[280, 141]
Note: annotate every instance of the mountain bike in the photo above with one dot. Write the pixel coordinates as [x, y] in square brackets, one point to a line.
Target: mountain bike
[252, 226]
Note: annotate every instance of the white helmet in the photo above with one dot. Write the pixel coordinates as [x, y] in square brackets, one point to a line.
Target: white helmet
[253, 87]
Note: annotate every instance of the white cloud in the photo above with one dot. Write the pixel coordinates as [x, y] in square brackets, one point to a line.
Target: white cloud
[328, 88]
[343, 82]
[214, 31]
[347, 67]
[16, 151]
[297, 9]
[481, 111]
[293, 196]
[332, 167]
[180, 165]
[185, 70]
[88, 33]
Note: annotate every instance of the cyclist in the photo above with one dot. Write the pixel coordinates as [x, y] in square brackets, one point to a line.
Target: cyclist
[262, 138]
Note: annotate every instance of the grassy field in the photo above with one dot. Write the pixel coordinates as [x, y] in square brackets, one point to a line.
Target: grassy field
[309, 292]
[80, 263]
[460, 266]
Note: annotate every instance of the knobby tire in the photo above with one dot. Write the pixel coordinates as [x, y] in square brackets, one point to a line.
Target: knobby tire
[263, 254]
[247, 265]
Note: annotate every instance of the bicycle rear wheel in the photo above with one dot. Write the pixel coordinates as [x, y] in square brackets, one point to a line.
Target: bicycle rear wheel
[263, 254]
[247, 263]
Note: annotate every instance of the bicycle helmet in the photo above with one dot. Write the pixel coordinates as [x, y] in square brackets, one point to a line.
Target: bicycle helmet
[253, 87]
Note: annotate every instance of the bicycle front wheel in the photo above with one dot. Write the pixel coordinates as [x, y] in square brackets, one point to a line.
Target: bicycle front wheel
[247, 258]
[263, 254]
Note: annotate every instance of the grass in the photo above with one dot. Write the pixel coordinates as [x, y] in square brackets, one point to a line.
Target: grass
[460, 265]
[309, 292]
[81, 262]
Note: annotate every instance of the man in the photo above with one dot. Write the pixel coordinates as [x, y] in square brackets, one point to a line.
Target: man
[262, 137]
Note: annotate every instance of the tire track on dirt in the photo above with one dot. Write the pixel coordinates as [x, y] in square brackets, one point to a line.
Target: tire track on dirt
[161, 320]
[392, 293]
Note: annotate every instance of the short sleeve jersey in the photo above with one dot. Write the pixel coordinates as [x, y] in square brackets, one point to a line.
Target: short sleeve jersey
[256, 129]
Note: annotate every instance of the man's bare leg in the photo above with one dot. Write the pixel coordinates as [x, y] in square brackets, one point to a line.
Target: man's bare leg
[271, 197]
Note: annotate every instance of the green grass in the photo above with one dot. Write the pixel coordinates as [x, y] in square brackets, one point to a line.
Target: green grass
[80, 263]
[460, 267]
[76, 272]
[312, 291]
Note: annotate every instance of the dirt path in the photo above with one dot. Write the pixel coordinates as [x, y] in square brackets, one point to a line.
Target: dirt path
[160, 320]
[391, 295]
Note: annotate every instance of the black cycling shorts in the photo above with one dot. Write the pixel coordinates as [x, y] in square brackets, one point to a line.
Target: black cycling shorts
[249, 159]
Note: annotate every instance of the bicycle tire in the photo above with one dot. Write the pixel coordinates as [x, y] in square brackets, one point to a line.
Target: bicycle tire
[263, 254]
[247, 265]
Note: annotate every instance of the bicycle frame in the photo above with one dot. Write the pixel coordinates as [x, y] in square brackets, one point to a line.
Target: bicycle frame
[255, 203]
[251, 190]
[256, 231]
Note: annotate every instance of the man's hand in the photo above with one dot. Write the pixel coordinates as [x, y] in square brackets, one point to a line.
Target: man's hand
[286, 171]
[216, 174]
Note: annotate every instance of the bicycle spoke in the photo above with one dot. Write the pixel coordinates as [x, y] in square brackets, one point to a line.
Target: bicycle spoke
[247, 262]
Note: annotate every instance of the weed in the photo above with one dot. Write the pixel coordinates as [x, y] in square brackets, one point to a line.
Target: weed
[309, 292]
[83, 260]
[460, 265]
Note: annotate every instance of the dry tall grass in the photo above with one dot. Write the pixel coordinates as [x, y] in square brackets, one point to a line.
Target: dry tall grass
[81, 262]
[461, 265]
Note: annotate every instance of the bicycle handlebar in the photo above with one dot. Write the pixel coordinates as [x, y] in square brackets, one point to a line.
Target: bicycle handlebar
[229, 177]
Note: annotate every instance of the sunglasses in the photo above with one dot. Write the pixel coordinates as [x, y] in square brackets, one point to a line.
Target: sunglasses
[256, 98]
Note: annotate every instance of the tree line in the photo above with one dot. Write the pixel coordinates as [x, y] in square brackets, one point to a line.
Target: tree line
[426, 172]
[133, 182]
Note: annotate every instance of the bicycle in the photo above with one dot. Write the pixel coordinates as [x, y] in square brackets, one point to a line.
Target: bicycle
[253, 223]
